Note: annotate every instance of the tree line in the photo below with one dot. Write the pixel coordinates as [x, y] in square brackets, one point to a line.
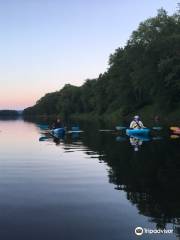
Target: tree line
[142, 76]
[9, 113]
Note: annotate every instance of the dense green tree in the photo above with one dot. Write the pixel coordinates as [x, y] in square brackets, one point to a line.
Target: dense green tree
[146, 72]
[9, 113]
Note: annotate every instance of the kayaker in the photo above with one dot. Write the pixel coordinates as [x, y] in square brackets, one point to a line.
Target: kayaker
[57, 124]
[136, 123]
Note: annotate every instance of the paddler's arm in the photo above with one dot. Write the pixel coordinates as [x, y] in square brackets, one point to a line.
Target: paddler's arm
[132, 125]
[141, 124]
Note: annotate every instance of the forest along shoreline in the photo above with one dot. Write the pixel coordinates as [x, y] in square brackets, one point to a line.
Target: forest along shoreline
[142, 77]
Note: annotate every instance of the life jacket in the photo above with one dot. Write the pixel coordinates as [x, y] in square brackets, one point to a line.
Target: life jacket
[136, 124]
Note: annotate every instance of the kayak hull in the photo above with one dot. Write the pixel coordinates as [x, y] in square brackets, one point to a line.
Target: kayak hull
[75, 129]
[176, 131]
[58, 132]
[138, 132]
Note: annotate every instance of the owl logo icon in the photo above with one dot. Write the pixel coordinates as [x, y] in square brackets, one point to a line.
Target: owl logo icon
[138, 231]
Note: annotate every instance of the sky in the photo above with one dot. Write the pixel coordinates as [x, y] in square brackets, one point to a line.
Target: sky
[45, 44]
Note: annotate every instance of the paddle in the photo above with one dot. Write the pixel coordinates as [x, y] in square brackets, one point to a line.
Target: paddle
[46, 132]
[157, 138]
[41, 139]
[75, 131]
[119, 128]
[106, 130]
[157, 128]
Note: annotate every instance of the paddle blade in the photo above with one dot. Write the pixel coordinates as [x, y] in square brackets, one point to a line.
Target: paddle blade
[119, 128]
[157, 128]
[41, 139]
[157, 138]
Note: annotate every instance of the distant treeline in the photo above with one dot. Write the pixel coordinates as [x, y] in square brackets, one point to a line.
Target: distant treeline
[9, 113]
[142, 77]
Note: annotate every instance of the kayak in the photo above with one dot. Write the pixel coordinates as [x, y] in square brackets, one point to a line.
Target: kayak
[141, 131]
[75, 128]
[43, 126]
[175, 130]
[58, 132]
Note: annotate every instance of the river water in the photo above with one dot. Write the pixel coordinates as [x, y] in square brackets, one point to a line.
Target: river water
[91, 186]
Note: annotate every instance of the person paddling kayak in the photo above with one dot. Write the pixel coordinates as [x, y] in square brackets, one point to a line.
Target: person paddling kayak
[57, 124]
[136, 123]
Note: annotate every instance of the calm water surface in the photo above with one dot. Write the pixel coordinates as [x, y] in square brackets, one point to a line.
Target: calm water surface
[90, 187]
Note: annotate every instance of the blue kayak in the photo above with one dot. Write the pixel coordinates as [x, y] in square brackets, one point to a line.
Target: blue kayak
[43, 126]
[141, 131]
[58, 132]
[75, 129]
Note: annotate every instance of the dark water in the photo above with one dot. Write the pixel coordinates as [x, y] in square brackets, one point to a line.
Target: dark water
[90, 187]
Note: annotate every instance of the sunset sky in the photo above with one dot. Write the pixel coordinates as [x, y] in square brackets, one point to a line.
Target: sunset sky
[45, 44]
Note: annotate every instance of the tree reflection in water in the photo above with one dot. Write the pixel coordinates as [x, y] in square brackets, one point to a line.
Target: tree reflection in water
[150, 177]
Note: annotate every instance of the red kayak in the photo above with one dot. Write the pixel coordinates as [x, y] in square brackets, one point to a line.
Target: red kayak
[175, 130]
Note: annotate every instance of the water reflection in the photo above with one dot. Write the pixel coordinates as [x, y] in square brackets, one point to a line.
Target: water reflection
[136, 143]
[149, 178]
